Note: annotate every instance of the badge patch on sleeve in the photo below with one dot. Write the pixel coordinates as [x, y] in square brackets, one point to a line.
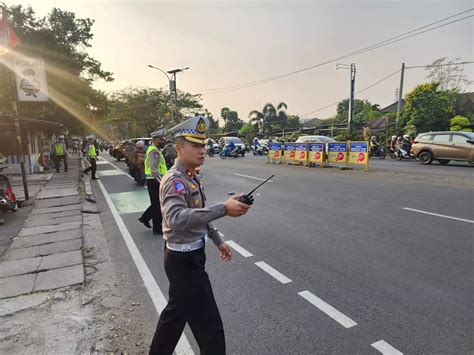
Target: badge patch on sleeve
[179, 187]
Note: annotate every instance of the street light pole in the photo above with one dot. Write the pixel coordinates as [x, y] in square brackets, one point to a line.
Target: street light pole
[175, 89]
[172, 85]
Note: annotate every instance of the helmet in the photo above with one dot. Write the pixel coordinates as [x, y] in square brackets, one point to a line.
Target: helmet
[406, 136]
[140, 144]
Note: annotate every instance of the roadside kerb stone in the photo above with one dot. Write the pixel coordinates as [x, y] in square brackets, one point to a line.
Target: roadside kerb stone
[19, 267]
[45, 249]
[53, 193]
[56, 209]
[49, 229]
[61, 260]
[66, 276]
[39, 239]
[16, 285]
[41, 220]
[33, 265]
[60, 201]
[62, 185]
[58, 214]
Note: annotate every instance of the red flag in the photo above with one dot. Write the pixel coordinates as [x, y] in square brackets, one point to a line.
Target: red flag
[8, 38]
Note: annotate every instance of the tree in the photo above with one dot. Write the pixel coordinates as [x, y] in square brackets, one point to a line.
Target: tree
[273, 117]
[427, 108]
[364, 112]
[450, 76]
[60, 38]
[293, 122]
[213, 123]
[139, 111]
[459, 123]
[464, 105]
[248, 132]
[231, 119]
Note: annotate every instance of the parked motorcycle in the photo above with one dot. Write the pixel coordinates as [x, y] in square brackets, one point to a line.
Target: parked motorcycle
[8, 200]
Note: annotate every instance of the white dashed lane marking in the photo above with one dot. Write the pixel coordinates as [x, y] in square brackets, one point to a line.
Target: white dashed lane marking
[385, 348]
[328, 309]
[272, 272]
[239, 249]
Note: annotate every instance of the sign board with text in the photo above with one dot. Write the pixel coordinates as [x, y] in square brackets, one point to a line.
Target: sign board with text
[31, 83]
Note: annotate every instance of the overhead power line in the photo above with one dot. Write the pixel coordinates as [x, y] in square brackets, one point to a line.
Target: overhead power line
[437, 65]
[406, 35]
[357, 92]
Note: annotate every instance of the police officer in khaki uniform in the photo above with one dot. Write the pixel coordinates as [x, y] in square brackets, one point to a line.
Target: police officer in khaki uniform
[186, 227]
[155, 168]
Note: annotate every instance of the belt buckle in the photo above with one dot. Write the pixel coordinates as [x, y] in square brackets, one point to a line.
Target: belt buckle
[186, 247]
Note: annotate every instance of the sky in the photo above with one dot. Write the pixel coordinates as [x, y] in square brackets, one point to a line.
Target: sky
[227, 43]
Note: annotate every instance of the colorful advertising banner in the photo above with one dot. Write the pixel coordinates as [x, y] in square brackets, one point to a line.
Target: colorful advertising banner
[301, 152]
[337, 152]
[359, 153]
[274, 151]
[316, 153]
[289, 152]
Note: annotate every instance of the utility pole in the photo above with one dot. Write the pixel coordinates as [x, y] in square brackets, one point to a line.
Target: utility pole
[352, 69]
[400, 92]
[351, 101]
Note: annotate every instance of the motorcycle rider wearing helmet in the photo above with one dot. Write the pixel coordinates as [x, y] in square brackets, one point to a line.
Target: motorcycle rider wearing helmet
[393, 143]
[138, 159]
[169, 153]
[406, 143]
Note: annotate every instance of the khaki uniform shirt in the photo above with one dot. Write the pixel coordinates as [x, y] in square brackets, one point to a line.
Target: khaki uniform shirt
[185, 217]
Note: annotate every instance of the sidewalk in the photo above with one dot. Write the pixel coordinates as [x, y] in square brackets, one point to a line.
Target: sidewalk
[57, 284]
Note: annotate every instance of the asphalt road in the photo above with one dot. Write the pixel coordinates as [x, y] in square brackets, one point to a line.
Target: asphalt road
[338, 263]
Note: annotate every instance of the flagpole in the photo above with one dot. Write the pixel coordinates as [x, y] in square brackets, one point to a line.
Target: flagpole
[15, 110]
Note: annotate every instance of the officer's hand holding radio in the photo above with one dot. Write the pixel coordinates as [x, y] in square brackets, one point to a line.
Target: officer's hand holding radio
[235, 208]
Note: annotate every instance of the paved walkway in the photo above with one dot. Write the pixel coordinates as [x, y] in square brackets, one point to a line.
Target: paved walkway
[47, 253]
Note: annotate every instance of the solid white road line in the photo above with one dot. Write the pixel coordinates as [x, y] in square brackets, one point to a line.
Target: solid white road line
[272, 272]
[385, 348]
[252, 177]
[439, 215]
[152, 287]
[328, 309]
[239, 249]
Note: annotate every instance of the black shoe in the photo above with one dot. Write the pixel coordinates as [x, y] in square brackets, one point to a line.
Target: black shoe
[145, 223]
[158, 232]
[84, 172]
[95, 178]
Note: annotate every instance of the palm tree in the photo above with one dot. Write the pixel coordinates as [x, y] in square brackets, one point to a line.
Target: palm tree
[270, 116]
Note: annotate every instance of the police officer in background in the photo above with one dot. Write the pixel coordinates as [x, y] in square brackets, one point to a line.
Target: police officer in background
[155, 168]
[186, 226]
[60, 153]
[91, 153]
